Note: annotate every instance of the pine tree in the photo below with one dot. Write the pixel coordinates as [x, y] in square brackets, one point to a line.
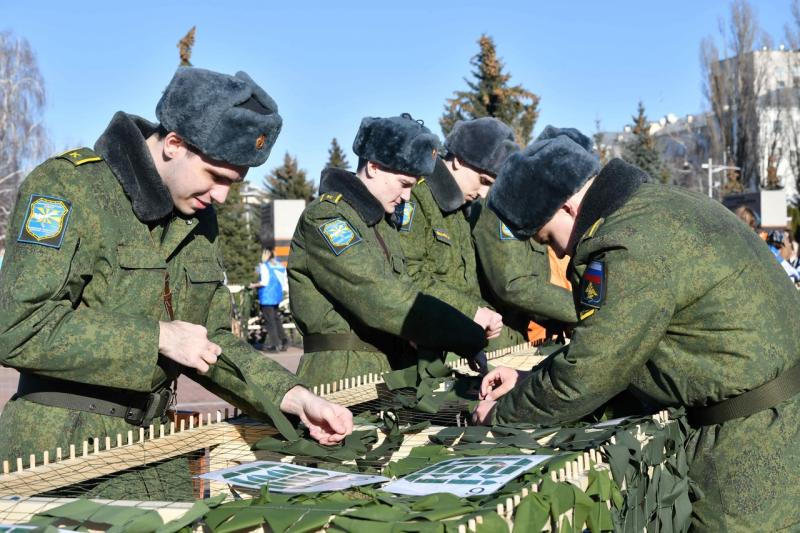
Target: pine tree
[641, 150]
[288, 181]
[337, 157]
[238, 237]
[490, 95]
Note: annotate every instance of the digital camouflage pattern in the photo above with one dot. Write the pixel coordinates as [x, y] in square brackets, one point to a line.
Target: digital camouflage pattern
[343, 284]
[515, 277]
[695, 310]
[88, 311]
[439, 252]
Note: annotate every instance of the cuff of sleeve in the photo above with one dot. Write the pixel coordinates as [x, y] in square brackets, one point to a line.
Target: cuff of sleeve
[284, 382]
[502, 412]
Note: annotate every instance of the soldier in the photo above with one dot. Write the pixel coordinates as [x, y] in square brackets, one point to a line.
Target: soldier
[112, 284]
[434, 231]
[350, 292]
[515, 273]
[681, 305]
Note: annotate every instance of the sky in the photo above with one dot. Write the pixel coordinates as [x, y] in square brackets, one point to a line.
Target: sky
[328, 64]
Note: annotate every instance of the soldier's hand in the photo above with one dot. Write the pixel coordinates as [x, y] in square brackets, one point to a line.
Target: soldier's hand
[327, 422]
[479, 363]
[484, 412]
[490, 321]
[187, 344]
[498, 382]
[496, 327]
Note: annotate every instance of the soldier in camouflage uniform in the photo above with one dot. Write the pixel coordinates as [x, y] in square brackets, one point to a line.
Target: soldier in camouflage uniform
[515, 273]
[113, 281]
[679, 304]
[434, 231]
[350, 292]
[515, 277]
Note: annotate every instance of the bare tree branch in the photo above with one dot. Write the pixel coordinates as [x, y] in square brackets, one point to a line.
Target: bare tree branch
[733, 82]
[23, 142]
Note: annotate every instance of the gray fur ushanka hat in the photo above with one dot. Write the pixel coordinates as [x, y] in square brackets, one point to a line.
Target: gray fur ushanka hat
[550, 132]
[482, 143]
[399, 143]
[227, 118]
[534, 183]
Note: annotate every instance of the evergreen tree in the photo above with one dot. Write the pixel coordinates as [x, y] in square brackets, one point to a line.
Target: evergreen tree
[490, 95]
[288, 181]
[337, 157]
[641, 150]
[238, 237]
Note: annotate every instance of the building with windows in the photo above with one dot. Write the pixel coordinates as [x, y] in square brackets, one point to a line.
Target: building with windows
[768, 102]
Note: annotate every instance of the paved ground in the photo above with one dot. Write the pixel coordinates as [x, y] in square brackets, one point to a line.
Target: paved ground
[191, 396]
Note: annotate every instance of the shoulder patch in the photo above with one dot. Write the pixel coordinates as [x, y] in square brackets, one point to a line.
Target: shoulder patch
[593, 229]
[407, 216]
[339, 235]
[331, 197]
[505, 233]
[45, 221]
[593, 285]
[442, 236]
[420, 181]
[80, 156]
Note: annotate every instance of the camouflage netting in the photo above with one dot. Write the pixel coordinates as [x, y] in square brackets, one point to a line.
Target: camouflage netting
[618, 475]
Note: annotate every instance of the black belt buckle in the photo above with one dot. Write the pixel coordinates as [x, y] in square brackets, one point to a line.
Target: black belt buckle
[156, 408]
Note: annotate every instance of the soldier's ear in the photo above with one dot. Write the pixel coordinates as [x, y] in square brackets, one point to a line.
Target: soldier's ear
[373, 169]
[572, 206]
[172, 145]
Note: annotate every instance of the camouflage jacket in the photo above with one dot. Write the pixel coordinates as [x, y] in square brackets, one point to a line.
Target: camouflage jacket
[682, 305]
[515, 276]
[91, 239]
[435, 237]
[348, 275]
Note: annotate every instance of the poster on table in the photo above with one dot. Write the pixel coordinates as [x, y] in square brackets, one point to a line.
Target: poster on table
[466, 476]
[289, 478]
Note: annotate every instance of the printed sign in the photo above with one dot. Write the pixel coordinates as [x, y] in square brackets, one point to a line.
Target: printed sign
[466, 476]
[289, 478]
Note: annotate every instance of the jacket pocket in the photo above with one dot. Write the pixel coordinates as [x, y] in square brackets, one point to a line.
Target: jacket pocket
[399, 264]
[138, 284]
[202, 280]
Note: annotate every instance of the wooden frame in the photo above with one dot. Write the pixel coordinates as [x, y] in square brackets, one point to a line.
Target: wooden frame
[229, 442]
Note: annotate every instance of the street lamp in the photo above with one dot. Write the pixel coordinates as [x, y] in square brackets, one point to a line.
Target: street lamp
[712, 169]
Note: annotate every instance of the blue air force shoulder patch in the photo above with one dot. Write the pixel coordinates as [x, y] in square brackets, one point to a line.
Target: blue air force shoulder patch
[339, 235]
[505, 233]
[407, 217]
[593, 285]
[45, 221]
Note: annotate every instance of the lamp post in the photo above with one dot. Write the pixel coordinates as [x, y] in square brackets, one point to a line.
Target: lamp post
[712, 169]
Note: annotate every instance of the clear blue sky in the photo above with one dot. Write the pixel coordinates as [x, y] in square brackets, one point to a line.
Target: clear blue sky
[328, 64]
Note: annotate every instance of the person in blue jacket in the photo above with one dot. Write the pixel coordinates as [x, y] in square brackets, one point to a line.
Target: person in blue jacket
[271, 286]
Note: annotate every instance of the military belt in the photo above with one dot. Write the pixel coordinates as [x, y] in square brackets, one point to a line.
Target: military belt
[323, 342]
[137, 408]
[765, 396]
